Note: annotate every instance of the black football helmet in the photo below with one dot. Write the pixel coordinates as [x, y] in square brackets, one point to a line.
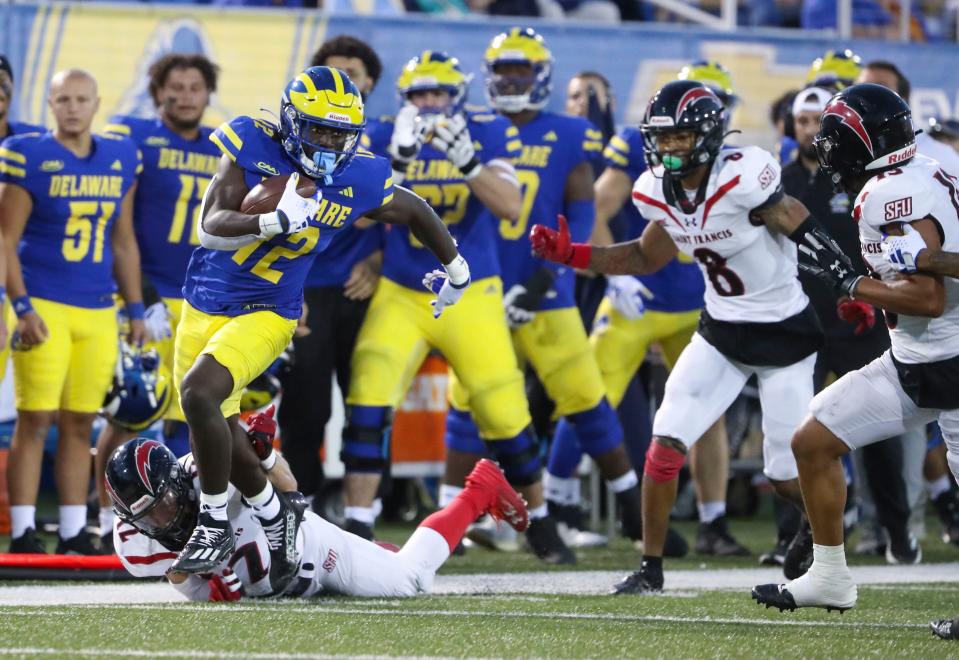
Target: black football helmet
[684, 105]
[865, 129]
[151, 491]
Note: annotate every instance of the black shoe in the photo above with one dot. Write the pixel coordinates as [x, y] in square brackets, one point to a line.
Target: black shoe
[81, 544]
[358, 528]
[947, 507]
[903, 550]
[106, 544]
[643, 581]
[945, 628]
[714, 538]
[777, 555]
[675, 546]
[798, 557]
[459, 550]
[778, 596]
[27, 544]
[212, 542]
[570, 514]
[544, 540]
[281, 537]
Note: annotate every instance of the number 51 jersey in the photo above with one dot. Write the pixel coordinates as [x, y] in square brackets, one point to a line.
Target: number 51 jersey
[750, 270]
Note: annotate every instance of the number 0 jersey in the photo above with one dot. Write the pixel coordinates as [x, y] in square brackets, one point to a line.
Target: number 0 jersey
[751, 271]
[176, 173]
[434, 178]
[552, 146]
[920, 189]
[678, 286]
[269, 274]
[65, 252]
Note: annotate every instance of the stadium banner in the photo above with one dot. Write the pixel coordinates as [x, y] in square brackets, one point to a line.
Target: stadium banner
[260, 50]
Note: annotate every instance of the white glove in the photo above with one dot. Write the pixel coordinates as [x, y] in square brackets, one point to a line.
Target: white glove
[407, 138]
[157, 321]
[903, 251]
[452, 137]
[516, 314]
[448, 285]
[627, 295]
[294, 212]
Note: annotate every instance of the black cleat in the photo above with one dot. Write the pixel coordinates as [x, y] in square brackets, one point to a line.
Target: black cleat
[777, 555]
[281, 537]
[778, 596]
[947, 508]
[544, 540]
[903, 551]
[358, 528]
[210, 544]
[945, 628]
[643, 581]
[675, 546]
[714, 538]
[27, 544]
[799, 556]
[459, 550]
[81, 544]
[106, 544]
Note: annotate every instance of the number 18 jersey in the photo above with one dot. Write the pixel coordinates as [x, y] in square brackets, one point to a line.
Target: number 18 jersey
[750, 271]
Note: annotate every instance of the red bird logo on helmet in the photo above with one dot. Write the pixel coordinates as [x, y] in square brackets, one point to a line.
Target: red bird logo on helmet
[850, 118]
[693, 95]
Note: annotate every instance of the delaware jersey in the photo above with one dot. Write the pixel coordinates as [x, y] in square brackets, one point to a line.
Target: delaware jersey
[65, 252]
[751, 271]
[176, 173]
[269, 274]
[920, 189]
[472, 225]
[679, 286]
[552, 146]
[19, 128]
[377, 135]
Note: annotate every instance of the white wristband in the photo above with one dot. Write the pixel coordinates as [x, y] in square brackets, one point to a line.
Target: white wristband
[270, 224]
[458, 270]
[268, 462]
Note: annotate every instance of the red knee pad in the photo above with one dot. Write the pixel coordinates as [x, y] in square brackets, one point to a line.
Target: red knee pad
[663, 463]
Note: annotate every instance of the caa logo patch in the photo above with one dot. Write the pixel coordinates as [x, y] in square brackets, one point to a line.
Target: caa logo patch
[898, 208]
[157, 141]
[266, 167]
[767, 176]
[51, 166]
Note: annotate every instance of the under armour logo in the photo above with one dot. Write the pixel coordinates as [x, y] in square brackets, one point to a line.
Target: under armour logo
[838, 269]
[690, 222]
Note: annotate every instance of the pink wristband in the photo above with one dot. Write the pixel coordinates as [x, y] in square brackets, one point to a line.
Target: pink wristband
[580, 256]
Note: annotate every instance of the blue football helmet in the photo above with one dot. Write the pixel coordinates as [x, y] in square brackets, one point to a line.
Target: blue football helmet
[141, 392]
[321, 120]
[512, 94]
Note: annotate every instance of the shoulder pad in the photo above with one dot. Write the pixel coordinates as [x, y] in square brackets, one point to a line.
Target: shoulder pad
[647, 195]
[756, 171]
[902, 195]
[16, 155]
[249, 143]
[119, 125]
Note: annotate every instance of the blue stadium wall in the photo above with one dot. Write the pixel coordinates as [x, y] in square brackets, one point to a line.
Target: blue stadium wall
[260, 50]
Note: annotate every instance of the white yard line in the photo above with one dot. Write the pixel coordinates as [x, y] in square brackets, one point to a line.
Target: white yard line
[140, 653]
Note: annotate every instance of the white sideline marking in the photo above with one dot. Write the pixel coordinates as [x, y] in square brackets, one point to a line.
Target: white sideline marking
[139, 653]
[678, 583]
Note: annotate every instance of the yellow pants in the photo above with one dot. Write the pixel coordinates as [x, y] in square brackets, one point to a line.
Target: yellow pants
[73, 369]
[620, 344]
[556, 345]
[399, 331]
[245, 345]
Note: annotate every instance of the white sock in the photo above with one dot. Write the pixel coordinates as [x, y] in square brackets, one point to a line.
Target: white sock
[832, 557]
[426, 547]
[709, 511]
[560, 490]
[938, 487]
[538, 512]
[73, 518]
[214, 504]
[447, 494]
[363, 514]
[266, 505]
[106, 520]
[22, 517]
[625, 482]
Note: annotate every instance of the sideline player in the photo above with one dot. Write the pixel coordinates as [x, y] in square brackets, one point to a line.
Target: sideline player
[725, 208]
[7, 127]
[866, 143]
[66, 207]
[329, 559]
[178, 162]
[244, 286]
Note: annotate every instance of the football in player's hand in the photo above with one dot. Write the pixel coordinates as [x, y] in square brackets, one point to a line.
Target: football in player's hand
[266, 195]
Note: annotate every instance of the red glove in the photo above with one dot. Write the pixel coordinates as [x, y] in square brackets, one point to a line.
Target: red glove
[557, 246]
[858, 312]
[225, 587]
[261, 429]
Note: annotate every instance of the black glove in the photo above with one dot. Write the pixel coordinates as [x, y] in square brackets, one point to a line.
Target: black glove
[822, 257]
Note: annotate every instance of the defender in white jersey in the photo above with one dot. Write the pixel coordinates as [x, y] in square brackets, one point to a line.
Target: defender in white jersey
[866, 143]
[155, 497]
[726, 209]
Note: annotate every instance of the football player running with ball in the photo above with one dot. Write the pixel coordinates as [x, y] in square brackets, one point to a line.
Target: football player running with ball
[244, 288]
[866, 143]
[725, 208]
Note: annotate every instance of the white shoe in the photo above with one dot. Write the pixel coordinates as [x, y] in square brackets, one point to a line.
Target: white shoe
[489, 534]
[580, 538]
[832, 591]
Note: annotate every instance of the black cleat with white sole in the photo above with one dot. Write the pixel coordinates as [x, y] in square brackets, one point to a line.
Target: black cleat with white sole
[778, 596]
[945, 628]
[281, 538]
[646, 580]
[212, 541]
